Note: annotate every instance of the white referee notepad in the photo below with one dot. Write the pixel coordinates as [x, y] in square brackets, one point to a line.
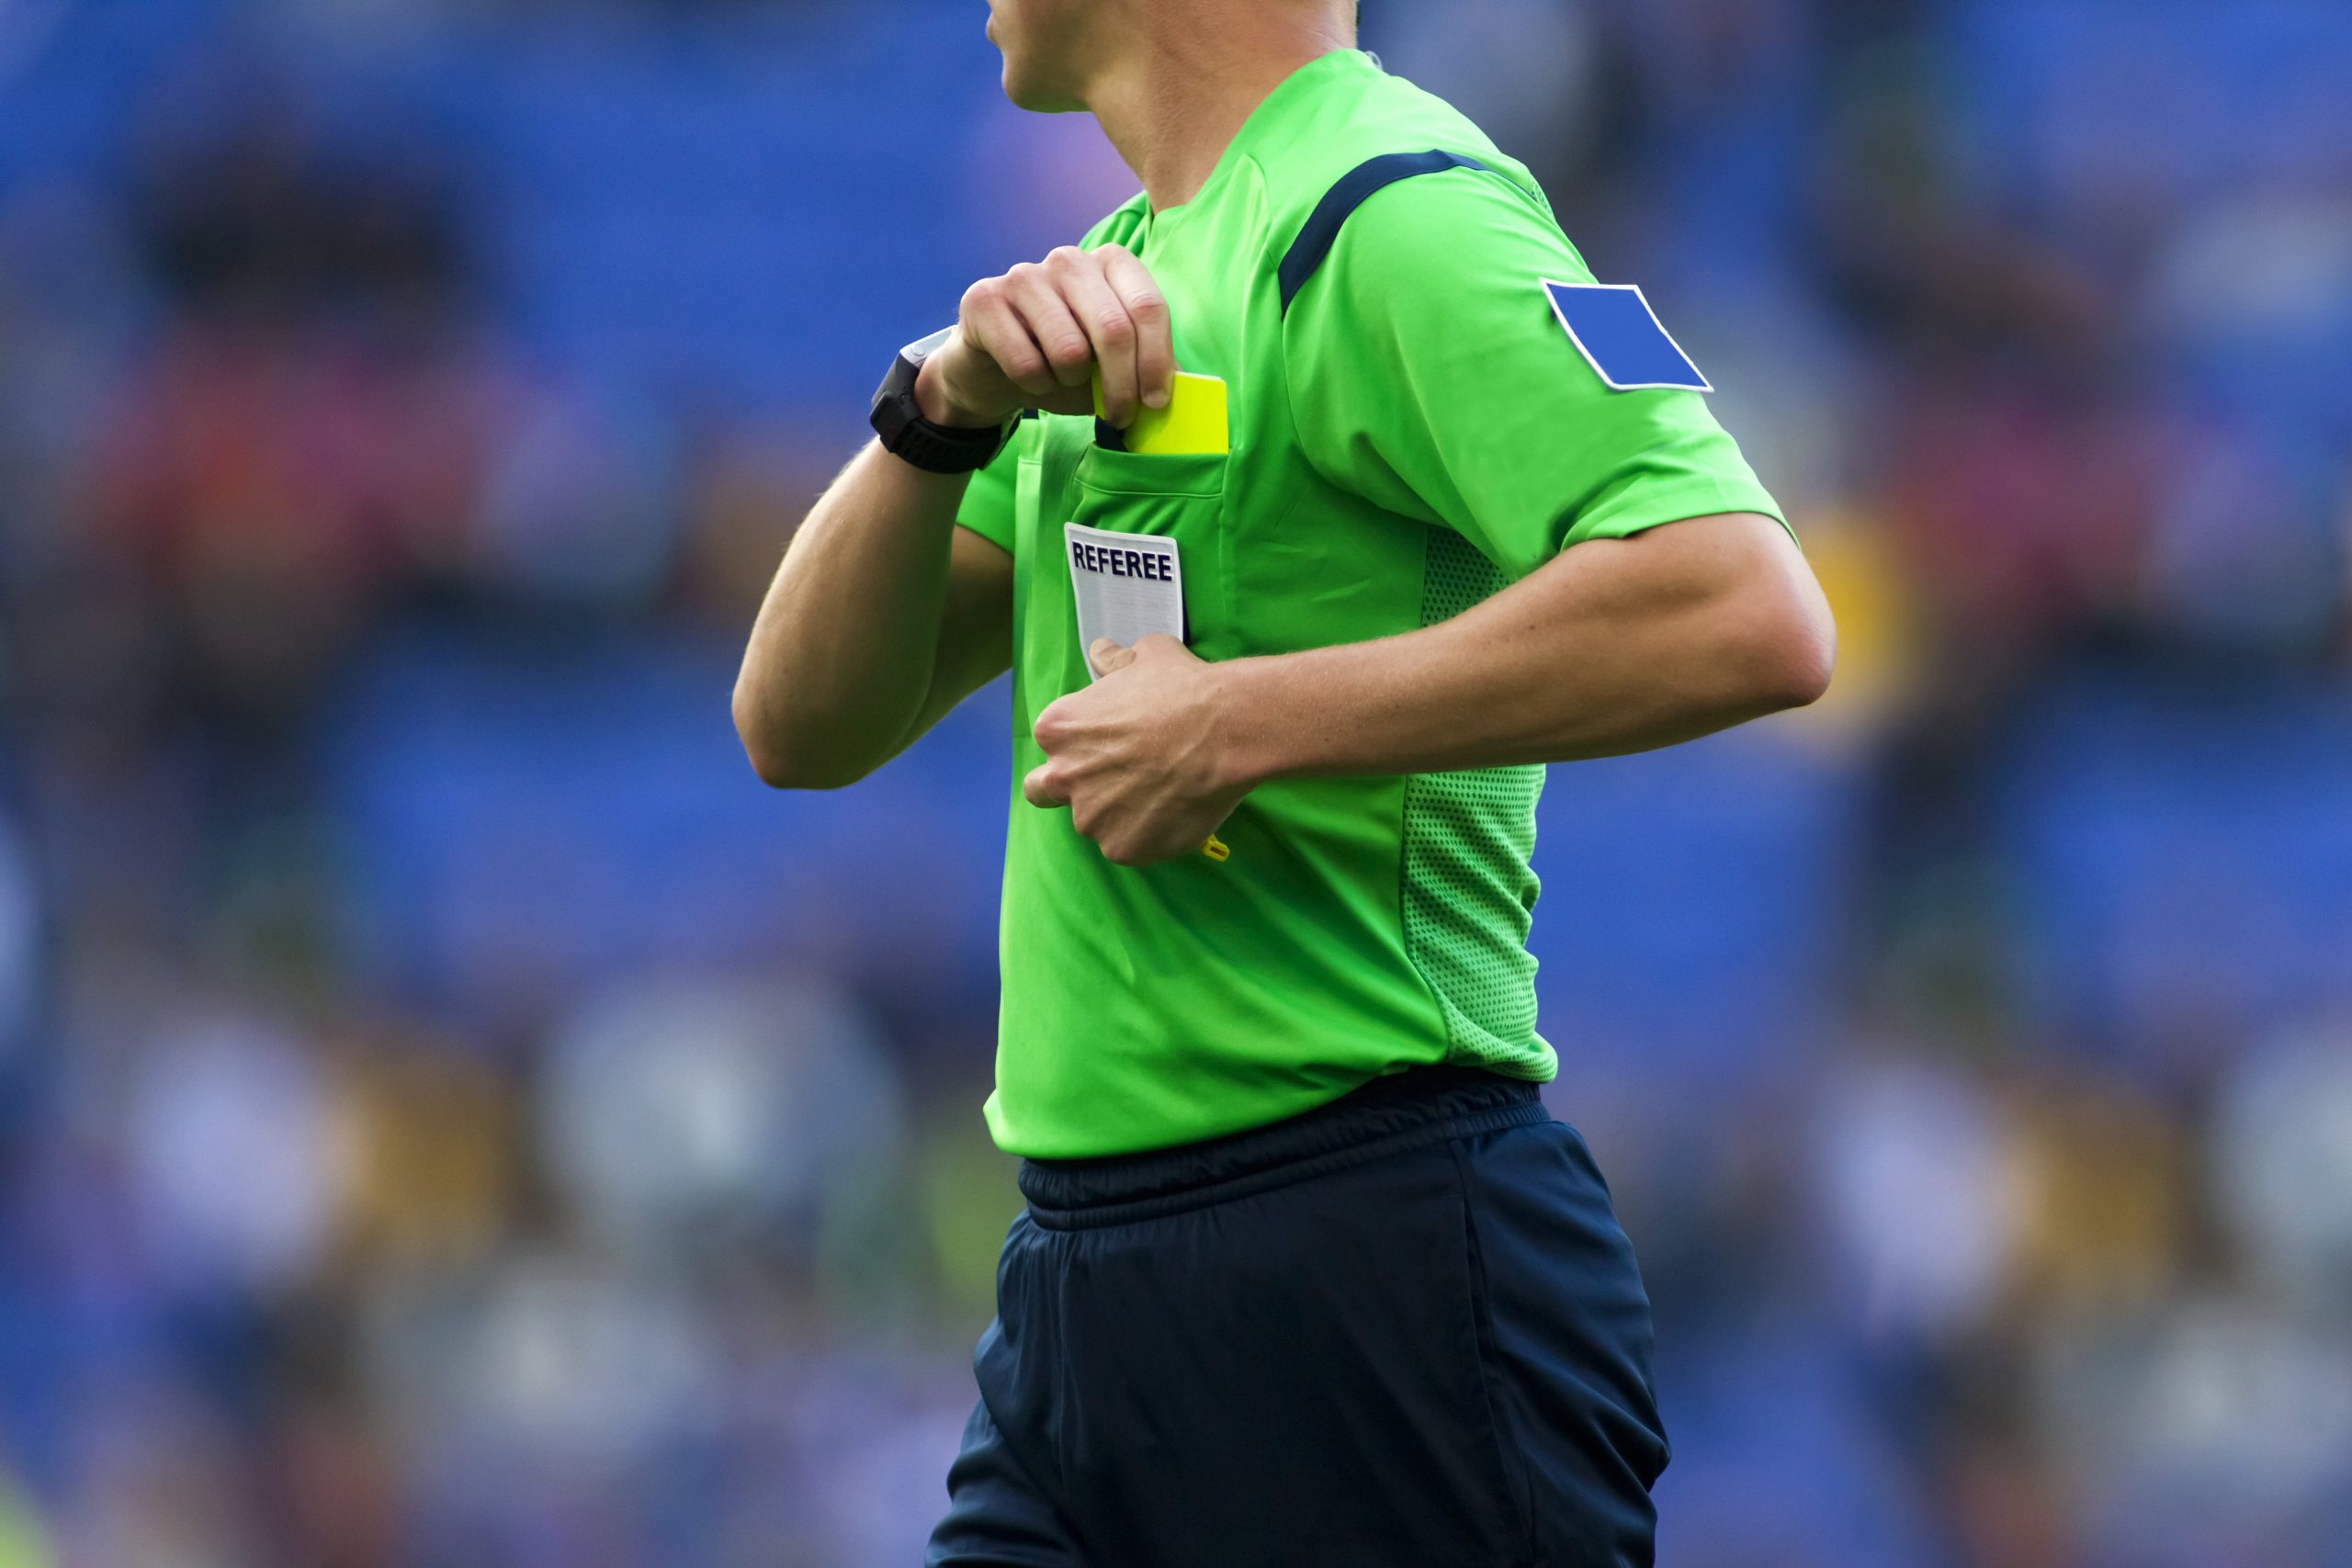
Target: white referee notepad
[1126, 586]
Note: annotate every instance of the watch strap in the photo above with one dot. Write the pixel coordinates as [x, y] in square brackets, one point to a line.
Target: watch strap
[936, 448]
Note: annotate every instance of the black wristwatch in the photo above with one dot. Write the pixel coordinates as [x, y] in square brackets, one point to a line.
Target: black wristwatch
[936, 448]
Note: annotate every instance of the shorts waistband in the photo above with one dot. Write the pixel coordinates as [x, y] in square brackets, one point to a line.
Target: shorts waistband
[1388, 1115]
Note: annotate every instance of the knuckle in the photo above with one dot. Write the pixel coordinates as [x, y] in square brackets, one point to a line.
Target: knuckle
[1112, 250]
[1070, 350]
[1148, 306]
[985, 292]
[1065, 258]
[1117, 330]
[1022, 272]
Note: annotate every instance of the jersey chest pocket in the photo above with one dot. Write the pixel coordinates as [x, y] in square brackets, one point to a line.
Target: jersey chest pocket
[1177, 498]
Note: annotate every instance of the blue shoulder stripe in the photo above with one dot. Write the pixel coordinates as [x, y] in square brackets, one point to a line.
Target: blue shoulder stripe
[1321, 228]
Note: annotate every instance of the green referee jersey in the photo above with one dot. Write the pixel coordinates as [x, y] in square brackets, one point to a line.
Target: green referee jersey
[1412, 428]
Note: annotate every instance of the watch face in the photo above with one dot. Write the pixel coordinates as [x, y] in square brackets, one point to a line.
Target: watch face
[922, 348]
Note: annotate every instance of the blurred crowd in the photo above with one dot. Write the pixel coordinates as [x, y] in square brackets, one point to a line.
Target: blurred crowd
[449, 1113]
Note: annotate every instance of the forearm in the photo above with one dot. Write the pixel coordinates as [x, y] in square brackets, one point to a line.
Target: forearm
[842, 658]
[1616, 646]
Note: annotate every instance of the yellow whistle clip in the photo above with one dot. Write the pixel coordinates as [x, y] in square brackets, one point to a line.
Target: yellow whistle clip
[1215, 848]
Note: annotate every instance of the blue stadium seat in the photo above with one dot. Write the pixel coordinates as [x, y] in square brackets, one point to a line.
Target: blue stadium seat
[1690, 902]
[521, 822]
[2184, 858]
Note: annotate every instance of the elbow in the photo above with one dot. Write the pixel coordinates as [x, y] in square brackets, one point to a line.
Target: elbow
[1790, 650]
[781, 759]
[774, 766]
[776, 763]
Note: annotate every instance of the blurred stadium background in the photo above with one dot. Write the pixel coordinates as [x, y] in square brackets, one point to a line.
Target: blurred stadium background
[450, 1115]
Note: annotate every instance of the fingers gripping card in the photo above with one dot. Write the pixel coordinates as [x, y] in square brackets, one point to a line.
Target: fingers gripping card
[1126, 586]
[1620, 337]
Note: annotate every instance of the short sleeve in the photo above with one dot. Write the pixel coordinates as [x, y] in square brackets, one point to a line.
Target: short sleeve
[1429, 375]
[987, 505]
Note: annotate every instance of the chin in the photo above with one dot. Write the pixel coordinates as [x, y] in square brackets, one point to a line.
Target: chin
[1038, 97]
[1029, 81]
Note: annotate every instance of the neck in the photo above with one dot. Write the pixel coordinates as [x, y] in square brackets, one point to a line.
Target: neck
[1173, 108]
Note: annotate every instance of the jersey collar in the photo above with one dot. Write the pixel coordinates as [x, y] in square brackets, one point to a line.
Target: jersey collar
[1266, 120]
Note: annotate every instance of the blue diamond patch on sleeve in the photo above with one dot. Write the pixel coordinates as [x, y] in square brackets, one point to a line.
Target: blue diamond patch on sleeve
[1620, 336]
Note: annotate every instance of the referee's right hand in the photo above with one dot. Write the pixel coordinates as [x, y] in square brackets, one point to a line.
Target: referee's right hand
[1035, 337]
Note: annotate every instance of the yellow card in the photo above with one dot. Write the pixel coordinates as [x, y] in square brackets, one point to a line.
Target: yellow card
[1194, 421]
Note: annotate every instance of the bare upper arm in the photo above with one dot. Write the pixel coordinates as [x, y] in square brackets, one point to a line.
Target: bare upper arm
[1746, 568]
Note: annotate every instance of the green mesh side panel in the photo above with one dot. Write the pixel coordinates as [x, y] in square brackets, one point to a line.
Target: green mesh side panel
[1468, 893]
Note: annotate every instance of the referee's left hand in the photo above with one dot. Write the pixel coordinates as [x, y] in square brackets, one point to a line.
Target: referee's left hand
[1136, 756]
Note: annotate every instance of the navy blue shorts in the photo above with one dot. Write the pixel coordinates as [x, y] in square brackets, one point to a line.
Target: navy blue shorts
[1402, 1331]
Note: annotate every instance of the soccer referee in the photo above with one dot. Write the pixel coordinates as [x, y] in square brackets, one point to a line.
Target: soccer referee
[1309, 1278]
